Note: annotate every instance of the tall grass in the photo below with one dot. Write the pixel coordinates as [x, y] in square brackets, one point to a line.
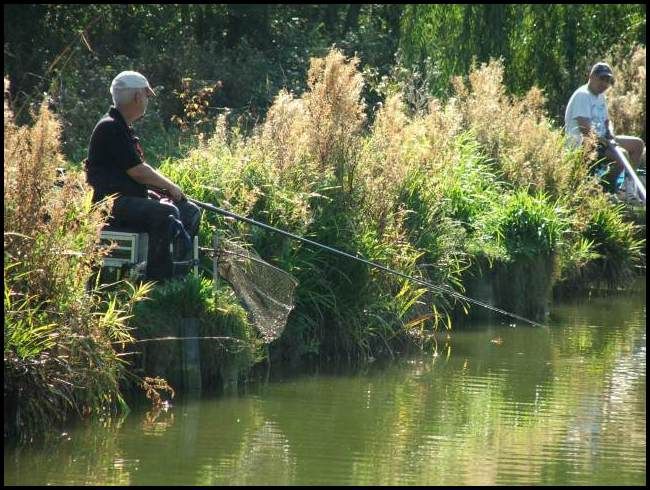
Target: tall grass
[515, 131]
[627, 98]
[59, 355]
[479, 179]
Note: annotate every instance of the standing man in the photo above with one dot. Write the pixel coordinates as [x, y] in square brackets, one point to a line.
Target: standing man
[116, 165]
[587, 113]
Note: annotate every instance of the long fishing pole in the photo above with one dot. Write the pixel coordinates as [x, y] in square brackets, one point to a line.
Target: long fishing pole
[628, 168]
[417, 280]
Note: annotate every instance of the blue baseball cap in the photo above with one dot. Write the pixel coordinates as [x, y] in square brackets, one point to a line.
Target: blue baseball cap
[602, 69]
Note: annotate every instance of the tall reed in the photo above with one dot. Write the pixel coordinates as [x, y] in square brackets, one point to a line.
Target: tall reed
[59, 336]
[478, 176]
[627, 98]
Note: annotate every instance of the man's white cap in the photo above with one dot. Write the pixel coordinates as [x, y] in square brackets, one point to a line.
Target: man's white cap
[130, 79]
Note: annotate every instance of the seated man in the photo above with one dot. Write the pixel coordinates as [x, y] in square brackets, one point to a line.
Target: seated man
[586, 112]
[116, 165]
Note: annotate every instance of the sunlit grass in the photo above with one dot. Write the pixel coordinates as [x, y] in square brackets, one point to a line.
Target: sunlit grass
[483, 175]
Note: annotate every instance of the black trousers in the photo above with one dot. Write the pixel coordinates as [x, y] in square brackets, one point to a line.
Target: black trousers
[153, 217]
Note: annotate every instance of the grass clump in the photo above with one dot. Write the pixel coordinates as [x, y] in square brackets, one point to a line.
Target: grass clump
[529, 225]
[613, 247]
[531, 229]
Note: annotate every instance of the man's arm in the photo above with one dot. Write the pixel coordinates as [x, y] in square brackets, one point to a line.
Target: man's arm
[147, 175]
[609, 134]
[584, 124]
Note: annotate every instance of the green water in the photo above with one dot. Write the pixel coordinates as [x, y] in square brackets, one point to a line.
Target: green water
[499, 405]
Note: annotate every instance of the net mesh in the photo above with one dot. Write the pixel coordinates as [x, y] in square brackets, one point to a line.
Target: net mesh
[266, 292]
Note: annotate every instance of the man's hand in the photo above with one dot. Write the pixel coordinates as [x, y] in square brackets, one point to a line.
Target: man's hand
[175, 193]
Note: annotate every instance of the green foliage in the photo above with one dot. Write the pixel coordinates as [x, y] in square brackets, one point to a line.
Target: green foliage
[27, 332]
[530, 225]
[471, 190]
[432, 231]
[615, 244]
[530, 229]
[550, 46]
[228, 342]
[190, 297]
[181, 298]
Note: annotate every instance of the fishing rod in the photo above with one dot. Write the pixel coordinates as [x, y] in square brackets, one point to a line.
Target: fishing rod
[427, 284]
[628, 168]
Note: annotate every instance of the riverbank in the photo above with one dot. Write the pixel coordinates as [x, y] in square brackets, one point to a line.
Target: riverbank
[474, 188]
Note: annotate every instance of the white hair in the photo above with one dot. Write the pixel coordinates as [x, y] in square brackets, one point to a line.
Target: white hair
[123, 96]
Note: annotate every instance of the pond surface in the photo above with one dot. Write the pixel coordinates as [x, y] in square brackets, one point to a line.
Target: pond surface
[499, 405]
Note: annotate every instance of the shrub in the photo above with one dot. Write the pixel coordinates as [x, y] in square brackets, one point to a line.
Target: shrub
[515, 132]
[626, 100]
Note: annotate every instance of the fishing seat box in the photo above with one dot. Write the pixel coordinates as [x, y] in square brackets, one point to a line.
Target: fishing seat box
[130, 252]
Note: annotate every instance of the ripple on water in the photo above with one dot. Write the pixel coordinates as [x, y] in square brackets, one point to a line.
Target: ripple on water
[560, 406]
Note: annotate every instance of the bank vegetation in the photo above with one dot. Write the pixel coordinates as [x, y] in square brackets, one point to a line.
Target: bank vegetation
[475, 187]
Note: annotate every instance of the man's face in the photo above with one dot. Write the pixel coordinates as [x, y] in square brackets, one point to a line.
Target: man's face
[144, 101]
[140, 103]
[600, 83]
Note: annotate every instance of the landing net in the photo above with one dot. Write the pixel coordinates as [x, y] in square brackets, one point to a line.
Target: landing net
[266, 292]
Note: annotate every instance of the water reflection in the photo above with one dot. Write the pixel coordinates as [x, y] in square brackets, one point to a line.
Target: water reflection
[561, 405]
